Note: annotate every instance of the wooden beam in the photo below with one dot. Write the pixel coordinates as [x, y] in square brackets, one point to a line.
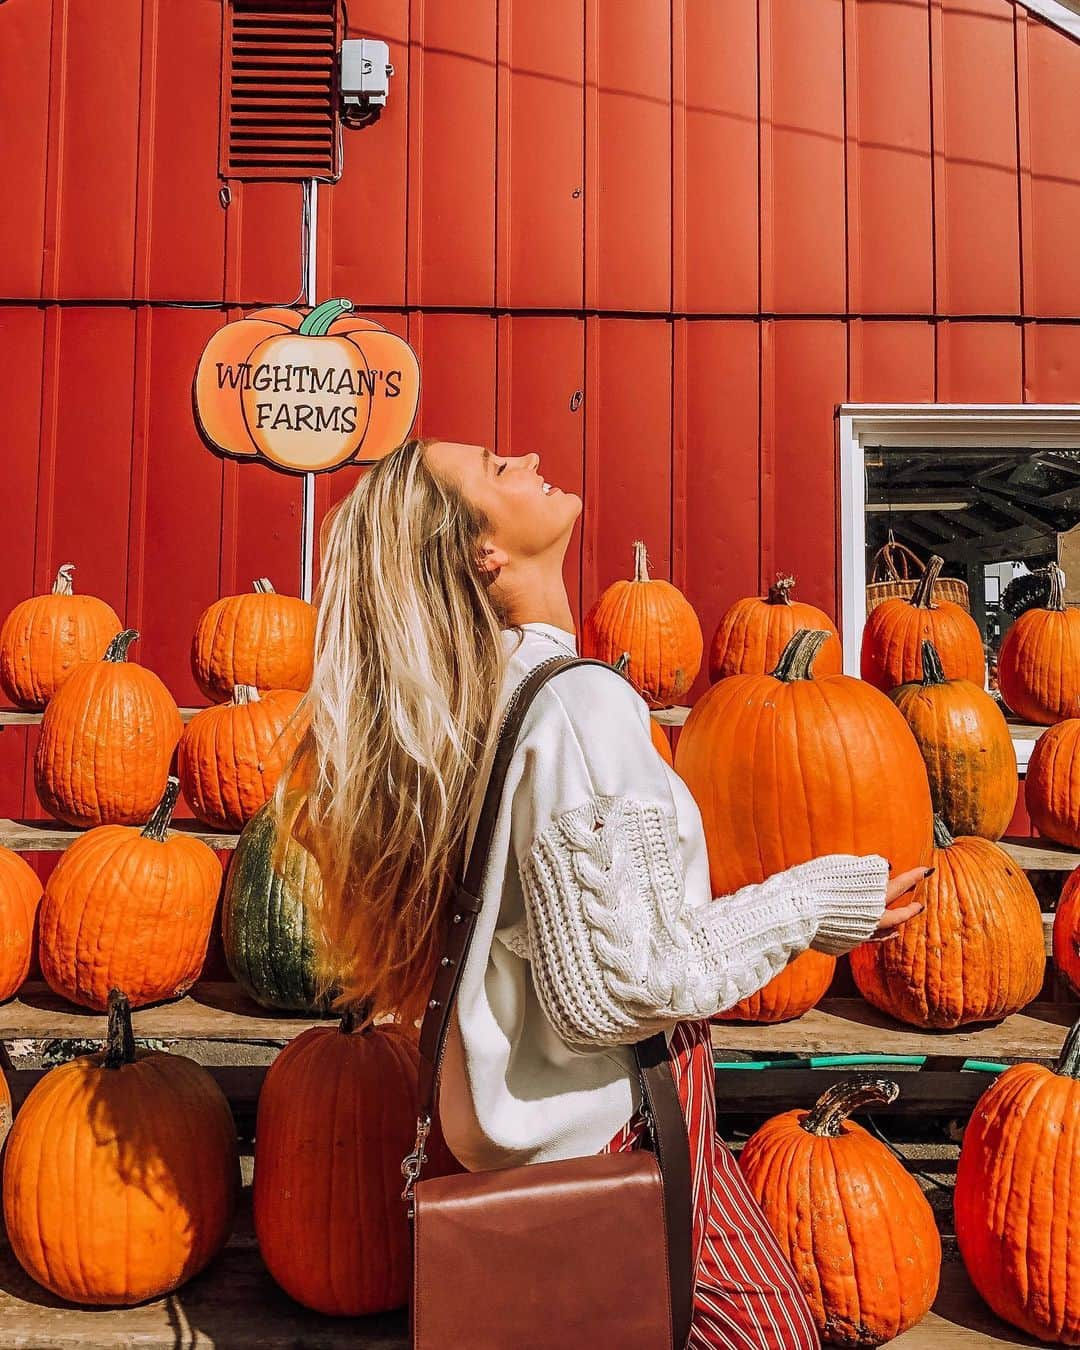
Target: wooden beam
[16, 717]
[49, 836]
[923, 1092]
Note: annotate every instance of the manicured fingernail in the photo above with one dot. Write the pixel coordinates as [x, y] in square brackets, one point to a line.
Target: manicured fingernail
[929, 871]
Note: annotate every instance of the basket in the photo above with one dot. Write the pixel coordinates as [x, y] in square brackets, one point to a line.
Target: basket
[895, 573]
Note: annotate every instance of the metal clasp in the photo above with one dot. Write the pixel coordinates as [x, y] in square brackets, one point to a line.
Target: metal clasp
[412, 1164]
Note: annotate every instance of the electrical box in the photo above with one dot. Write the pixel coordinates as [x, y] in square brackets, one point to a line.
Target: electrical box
[365, 74]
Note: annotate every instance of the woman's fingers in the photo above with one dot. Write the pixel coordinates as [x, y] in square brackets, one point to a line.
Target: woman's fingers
[906, 881]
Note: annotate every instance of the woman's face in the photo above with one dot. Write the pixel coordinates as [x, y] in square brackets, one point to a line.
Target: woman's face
[529, 517]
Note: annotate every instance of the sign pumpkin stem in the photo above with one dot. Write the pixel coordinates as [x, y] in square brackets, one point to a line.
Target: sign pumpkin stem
[317, 323]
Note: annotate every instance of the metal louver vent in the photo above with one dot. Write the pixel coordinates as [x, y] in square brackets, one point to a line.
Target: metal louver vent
[279, 89]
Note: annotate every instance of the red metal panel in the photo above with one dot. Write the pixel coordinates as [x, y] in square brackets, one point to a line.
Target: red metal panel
[980, 363]
[264, 243]
[627, 449]
[452, 153]
[25, 40]
[892, 362]
[541, 165]
[802, 157]
[93, 133]
[975, 157]
[458, 376]
[261, 527]
[541, 381]
[1051, 169]
[362, 217]
[1051, 363]
[180, 227]
[890, 190]
[715, 165]
[628, 155]
[716, 487]
[803, 378]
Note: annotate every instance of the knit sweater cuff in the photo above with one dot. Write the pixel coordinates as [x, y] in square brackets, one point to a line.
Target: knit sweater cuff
[850, 895]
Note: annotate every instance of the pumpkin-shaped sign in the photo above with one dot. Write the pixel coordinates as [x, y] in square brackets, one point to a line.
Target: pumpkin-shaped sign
[306, 391]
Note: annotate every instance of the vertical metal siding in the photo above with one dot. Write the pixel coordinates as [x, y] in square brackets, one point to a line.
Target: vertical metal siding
[979, 362]
[25, 47]
[891, 362]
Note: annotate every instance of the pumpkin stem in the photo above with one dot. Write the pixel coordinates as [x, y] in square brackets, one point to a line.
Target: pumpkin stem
[942, 836]
[119, 1039]
[622, 665]
[797, 659]
[117, 649]
[263, 586]
[62, 585]
[1068, 1062]
[1057, 588]
[780, 590]
[317, 323]
[832, 1108]
[355, 1015]
[157, 827]
[924, 591]
[641, 561]
[244, 693]
[933, 672]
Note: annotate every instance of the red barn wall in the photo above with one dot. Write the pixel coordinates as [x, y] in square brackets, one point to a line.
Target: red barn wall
[714, 220]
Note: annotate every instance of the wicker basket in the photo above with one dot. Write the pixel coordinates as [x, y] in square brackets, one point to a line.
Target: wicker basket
[895, 573]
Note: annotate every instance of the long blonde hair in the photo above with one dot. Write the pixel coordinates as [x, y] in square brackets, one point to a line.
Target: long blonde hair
[408, 665]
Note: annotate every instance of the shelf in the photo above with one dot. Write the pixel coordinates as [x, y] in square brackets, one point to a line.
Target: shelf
[15, 717]
[670, 717]
[1041, 855]
[49, 836]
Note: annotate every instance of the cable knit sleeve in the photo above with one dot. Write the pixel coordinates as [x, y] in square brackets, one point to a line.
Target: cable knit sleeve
[622, 943]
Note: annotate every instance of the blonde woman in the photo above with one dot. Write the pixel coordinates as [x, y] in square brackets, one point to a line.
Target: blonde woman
[442, 588]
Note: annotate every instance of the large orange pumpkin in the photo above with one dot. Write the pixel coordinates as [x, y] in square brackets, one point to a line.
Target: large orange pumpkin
[896, 630]
[976, 953]
[129, 909]
[121, 1174]
[264, 639]
[20, 891]
[965, 742]
[801, 985]
[107, 740]
[850, 1218]
[754, 632]
[1052, 786]
[336, 1238]
[307, 391]
[1039, 661]
[654, 625]
[1067, 931]
[660, 740]
[45, 637]
[232, 755]
[1015, 1203]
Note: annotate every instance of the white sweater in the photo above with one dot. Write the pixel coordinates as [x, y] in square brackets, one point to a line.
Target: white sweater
[597, 925]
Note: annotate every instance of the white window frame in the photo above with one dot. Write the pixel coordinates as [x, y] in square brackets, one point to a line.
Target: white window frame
[1063, 14]
[936, 426]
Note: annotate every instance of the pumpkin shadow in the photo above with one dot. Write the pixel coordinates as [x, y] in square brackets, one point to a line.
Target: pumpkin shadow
[958, 1303]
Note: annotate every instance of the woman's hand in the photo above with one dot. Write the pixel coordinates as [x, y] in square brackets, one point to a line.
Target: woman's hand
[889, 927]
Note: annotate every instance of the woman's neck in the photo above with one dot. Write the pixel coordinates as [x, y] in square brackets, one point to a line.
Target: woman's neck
[532, 597]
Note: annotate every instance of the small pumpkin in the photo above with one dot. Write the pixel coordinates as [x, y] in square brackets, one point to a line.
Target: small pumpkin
[1052, 786]
[1017, 1209]
[232, 755]
[107, 741]
[121, 1173]
[660, 740]
[264, 639]
[272, 887]
[655, 625]
[129, 908]
[850, 1218]
[966, 746]
[45, 637]
[753, 632]
[1066, 943]
[800, 986]
[896, 630]
[976, 953]
[20, 892]
[1039, 661]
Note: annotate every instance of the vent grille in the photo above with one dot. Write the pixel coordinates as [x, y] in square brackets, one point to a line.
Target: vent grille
[280, 89]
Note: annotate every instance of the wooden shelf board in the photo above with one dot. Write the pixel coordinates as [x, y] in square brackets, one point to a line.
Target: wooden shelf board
[1041, 855]
[670, 717]
[840, 1026]
[923, 1092]
[16, 717]
[211, 1012]
[50, 836]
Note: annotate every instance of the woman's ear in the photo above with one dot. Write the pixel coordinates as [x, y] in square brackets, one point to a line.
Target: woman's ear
[492, 558]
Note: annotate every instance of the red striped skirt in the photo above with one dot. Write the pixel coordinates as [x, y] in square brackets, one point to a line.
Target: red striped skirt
[746, 1296]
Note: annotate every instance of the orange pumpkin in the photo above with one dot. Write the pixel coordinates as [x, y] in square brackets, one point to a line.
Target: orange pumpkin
[307, 391]
[107, 740]
[800, 986]
[45, 637]
[5, 1111]
[896, 630]
[754, 632]
[232, 755]
[654, 625]
[966, 745]
[1052, 786]
[142, 1146]
[1039, 661]
[20, 891]
[264, 639]
[660, 740]
[129, 909]
[1067, 931]
[850, 1218]
[1015, 1201]
[975, 954]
